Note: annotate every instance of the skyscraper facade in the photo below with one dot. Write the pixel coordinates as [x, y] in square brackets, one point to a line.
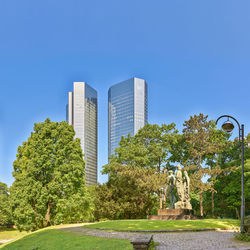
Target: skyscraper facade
[82, 114]
[127, 110]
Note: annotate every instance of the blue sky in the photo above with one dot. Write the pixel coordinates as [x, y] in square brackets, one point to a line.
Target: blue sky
[194, 55]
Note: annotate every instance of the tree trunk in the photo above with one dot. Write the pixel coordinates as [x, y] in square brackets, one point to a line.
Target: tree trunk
[201, 204]
[47, 216]
[164, 199]
[201, 200]
[159, 165]
[237, 213]
[213, 203]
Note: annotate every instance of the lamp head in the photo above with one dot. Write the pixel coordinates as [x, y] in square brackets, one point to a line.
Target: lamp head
[227, 126]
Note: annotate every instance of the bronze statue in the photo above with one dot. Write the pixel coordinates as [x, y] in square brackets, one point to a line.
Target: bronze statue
[170, 189]
[179, 184]
[182, 185]
[162, 199]
[186, 186]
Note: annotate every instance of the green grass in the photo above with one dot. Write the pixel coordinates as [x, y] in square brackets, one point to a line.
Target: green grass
[10, 233]
[55, 239]
[165, 225]
[243, 237]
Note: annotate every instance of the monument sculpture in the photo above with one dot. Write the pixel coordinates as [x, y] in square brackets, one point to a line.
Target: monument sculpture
[186, 187]
[162, 198]
[179, 205]
[170, 189]
[182, 186]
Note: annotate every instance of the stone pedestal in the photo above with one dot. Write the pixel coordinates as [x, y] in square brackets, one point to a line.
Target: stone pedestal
[183, 205]
[142, 242]
[173, 214]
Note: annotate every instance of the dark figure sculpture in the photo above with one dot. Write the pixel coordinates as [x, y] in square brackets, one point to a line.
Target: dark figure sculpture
[170, 189]
[182, 185]
[186, 186]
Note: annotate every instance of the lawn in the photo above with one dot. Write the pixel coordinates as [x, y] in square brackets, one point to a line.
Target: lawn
[165, 225]
[56, 239]
[10, 233]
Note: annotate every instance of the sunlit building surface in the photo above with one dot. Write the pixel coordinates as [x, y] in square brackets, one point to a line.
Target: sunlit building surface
[82, 114]
[127, 110]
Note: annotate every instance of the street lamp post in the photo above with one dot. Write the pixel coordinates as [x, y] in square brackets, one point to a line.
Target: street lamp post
[228, 127]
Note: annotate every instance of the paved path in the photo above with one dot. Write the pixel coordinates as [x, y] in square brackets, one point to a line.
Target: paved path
[5, 241]
[198, 240]
[175, 241]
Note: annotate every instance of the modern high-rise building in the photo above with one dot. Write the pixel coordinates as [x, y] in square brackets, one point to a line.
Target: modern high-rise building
[127, 110]
[82, 114]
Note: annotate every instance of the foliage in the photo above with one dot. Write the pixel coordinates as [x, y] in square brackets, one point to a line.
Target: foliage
[228, 183]
[164, 224]
[212, 161]
[247, 224]
[49, 186]
[153, 245]
[52, 239]
[135, 174]
[243, 237]
[149, 148]
[195, 202]
[5, 207]
[128, 193]
[3, 189]
[203, 141]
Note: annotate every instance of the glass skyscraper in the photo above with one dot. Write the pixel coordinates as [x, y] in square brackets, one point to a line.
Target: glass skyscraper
[127, 110]
[82, 114]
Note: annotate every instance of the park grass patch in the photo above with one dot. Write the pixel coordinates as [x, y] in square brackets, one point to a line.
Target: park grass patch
[10, 233]
[165, 225]
[53, 239]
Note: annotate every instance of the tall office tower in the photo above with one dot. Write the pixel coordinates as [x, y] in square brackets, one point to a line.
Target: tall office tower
[82, 114]
[127, 110]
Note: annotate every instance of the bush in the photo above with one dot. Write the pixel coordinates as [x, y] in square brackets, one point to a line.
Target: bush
[5, 207]
[243, 237]
[247, 224]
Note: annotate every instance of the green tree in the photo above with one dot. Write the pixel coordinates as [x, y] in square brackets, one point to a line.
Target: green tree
[228, 183]
[128, 194]
[150, 147]
[49, 186]
[203, 141]
[5, 207]
[220, 142]
[135, 172]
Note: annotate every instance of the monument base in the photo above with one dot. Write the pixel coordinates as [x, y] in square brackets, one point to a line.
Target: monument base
[173, 214]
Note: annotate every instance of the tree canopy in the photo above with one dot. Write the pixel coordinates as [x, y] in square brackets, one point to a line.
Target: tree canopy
[149, 148]
[136, 170]
[5, 207]
[203, 141]
[49, 186]
[49, 172]
[135, 173]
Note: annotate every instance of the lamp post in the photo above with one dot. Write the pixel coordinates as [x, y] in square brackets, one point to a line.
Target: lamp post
[228, 126]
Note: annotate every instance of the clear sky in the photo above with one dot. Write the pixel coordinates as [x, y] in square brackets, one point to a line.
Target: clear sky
[194, 55]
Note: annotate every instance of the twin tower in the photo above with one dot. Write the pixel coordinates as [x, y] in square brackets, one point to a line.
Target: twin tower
[127, 113]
